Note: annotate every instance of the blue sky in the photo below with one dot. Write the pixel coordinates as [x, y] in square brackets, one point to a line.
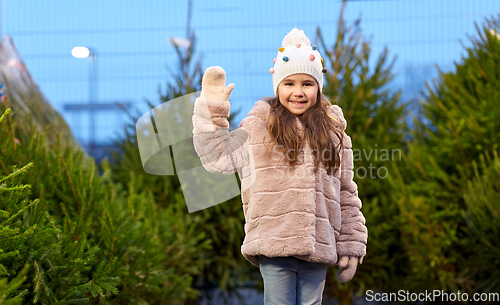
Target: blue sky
[131, 40]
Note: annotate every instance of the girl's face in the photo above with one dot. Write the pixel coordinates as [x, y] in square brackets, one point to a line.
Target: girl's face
[298, 93]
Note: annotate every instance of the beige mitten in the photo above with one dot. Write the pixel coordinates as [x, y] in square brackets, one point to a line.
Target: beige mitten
[213, 85]
[347, 267]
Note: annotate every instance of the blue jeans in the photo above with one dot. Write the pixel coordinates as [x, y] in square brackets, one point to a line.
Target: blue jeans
[292, 281]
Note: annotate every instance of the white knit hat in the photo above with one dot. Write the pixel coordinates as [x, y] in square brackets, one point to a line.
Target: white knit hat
[297, 55]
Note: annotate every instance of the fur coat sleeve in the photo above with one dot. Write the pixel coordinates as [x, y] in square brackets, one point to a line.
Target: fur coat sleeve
[220, 151]
[353, 232]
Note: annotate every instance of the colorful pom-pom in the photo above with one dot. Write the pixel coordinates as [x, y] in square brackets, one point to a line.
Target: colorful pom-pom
[271, 70]
[314, 47]
[298, 45]
[274, 60]
[324, 70]
[311, 57]
[282, 49]
[285, 58]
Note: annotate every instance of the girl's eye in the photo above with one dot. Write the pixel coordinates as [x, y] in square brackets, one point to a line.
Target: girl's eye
[288, 84]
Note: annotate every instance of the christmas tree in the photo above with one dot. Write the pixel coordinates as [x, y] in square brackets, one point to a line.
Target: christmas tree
[81, 238]
[438, 181]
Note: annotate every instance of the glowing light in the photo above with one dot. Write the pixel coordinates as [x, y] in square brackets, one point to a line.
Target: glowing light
[80, 52]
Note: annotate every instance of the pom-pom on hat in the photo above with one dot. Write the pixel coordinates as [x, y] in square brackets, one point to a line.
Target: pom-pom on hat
[297, 55]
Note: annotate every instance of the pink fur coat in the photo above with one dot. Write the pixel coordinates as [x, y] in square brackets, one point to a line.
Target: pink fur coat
[288, 211]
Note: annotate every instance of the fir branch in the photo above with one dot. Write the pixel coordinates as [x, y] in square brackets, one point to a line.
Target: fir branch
[130, 199]
[37, 281]
[4, 214]
[18, 172]
[21, 211]
[6, 112]
[70, 181]
[19, 188]
[109, 217]
[12, 286]
[91, 179]
[11, 130]
[11, 254]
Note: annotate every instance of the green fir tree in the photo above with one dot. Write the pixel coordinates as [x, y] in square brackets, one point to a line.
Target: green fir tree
[30, 239]
[85, 239]
[432, 187]
[482, 215]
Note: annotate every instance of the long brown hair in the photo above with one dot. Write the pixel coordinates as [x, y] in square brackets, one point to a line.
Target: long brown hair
[317, 128]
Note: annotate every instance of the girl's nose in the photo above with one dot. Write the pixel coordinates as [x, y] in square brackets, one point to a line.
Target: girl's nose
[298, 92]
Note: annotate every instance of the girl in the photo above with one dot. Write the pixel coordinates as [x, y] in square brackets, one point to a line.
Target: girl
[295, 162]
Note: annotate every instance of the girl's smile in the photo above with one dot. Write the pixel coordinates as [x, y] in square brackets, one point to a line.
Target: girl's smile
[298, 92]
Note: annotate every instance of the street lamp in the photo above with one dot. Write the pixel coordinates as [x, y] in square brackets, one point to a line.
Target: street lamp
[84, 52]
